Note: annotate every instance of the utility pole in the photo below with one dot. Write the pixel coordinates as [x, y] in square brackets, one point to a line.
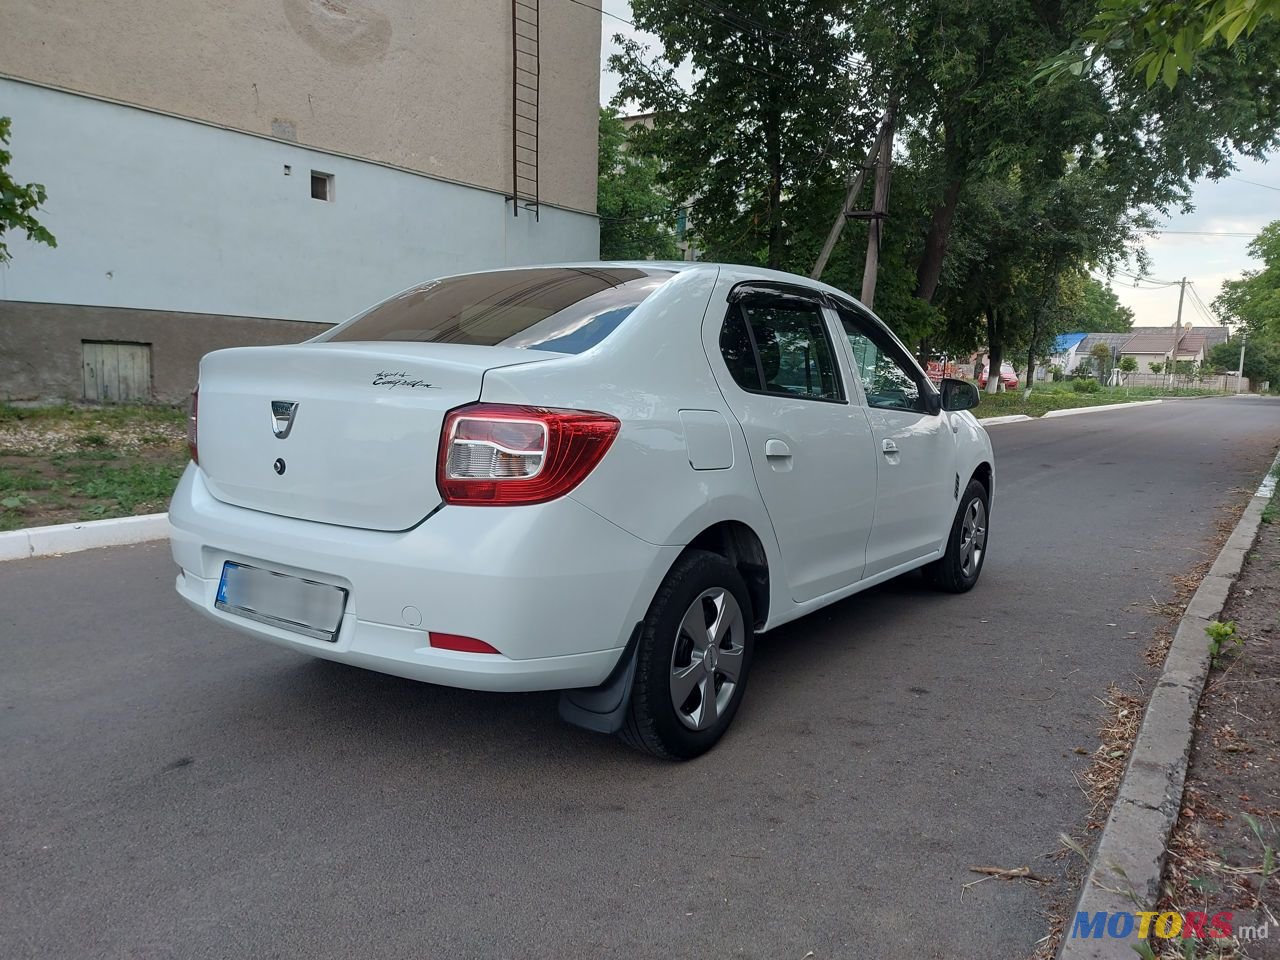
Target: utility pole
[1244, 336]
[847, 210]
[1177, 332]
[879, 205]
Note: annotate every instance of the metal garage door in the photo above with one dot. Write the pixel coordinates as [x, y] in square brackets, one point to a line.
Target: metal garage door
[116, 371]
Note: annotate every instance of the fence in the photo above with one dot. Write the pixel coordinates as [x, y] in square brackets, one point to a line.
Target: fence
[1228, 383]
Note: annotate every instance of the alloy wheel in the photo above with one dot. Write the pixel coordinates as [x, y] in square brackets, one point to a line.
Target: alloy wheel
[973, 537]
[706, 660]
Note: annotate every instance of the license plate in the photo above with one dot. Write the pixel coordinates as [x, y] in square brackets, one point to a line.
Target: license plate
[291, 603]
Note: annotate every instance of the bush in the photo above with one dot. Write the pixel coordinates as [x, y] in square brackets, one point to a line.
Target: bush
[1085, 386]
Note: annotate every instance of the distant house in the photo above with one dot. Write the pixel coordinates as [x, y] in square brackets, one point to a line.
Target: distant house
[1157, 345]
[1114, 343]
[1146, 345]
[1064, 350]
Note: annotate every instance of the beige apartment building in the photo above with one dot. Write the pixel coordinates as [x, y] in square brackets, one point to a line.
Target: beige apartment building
[248, 172]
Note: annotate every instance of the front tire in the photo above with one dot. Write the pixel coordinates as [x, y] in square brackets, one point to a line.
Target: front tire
[692, 661]
[957, 570]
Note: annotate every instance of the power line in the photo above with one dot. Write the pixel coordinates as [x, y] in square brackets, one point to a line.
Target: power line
[1253, 183]
[1206, 311]
[1141, 282]
[1146, 278]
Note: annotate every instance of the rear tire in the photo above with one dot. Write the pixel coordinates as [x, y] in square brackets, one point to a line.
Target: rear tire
[692, 660]
[957, 570]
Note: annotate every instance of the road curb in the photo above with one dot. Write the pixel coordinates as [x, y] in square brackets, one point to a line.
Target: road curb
[1076, 411]
[1124, 875]
[1011, 418]
[1070, 412]
[73, 537]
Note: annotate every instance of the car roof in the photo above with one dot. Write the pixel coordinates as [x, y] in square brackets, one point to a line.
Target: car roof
[746, 271]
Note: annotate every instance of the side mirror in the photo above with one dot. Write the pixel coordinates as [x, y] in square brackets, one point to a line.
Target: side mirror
[959, 395]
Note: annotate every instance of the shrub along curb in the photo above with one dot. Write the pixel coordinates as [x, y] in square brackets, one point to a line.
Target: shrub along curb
[72, 537]
[1128, 863]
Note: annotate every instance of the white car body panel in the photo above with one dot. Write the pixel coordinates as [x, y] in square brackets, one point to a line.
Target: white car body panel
[813, 463]
[588, 577]
[557, 587]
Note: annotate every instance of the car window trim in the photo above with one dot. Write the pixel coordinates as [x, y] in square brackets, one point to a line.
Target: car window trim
[786, 291]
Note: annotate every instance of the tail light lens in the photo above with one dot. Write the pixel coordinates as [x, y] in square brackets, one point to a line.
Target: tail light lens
[192, 438]
[499, 455]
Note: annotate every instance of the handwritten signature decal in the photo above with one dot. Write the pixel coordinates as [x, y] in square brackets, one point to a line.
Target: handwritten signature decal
[397, 379]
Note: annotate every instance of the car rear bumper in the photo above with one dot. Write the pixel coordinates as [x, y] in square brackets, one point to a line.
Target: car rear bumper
[555, 588]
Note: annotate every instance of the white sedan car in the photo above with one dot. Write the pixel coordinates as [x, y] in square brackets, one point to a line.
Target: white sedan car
[605, 479]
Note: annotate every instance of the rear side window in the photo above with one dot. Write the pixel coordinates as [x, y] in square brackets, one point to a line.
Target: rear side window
[561, 309]
[780, 346]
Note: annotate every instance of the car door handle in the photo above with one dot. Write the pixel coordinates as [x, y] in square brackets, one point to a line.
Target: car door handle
[889, 447]
[776, 449]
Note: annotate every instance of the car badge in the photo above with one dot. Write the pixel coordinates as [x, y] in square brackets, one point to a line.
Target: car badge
[282, 414]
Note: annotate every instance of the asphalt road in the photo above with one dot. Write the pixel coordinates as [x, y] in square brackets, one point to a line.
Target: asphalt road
[171, 789]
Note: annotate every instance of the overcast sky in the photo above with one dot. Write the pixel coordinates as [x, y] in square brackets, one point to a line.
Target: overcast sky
[1226, 207]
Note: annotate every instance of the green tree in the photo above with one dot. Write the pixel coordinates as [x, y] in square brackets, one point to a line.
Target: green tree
[1252, 304]
[788, 94]
[1100, 310]
[1160, 41]
[1254, 300]
[1101, 354]
[637, 221]
[18, 202]
[1261, 359]
[1128, 364]
[1156, 366]
[772, 119]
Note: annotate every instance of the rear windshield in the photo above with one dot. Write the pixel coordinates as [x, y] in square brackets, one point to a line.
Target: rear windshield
[561, 309]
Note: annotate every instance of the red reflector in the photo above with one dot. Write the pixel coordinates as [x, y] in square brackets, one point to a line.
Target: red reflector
[451, 641]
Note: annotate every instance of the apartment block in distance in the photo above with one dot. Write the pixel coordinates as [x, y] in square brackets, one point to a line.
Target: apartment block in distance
[243, 172]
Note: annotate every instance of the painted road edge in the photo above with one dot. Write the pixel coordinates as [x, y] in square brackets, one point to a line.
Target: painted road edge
[1069, 412]
[72, 537]
[1076, 411]
[1128, 863]
[1011, 418]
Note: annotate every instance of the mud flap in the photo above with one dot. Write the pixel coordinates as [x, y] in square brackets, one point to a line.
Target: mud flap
[602, 709]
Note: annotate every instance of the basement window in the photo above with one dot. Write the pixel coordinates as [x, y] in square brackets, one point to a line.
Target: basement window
[321, 186]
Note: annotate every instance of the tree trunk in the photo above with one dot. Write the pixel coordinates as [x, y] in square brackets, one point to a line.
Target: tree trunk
[995, 350]
[935, 242]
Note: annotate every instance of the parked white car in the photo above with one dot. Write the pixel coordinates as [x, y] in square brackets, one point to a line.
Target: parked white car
[606, 479]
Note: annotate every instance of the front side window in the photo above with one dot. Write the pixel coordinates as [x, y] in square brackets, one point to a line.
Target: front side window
[779, 345]
[890, 382]
[561, 309]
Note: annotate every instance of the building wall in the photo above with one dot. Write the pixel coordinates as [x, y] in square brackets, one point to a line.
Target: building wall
[157, 213]
[41, 345]
[420, 84]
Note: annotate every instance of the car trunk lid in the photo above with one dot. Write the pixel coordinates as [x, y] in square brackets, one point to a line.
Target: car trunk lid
[342, 433]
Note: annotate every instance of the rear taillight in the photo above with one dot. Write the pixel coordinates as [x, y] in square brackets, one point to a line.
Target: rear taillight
[497, 455]
[192, 443]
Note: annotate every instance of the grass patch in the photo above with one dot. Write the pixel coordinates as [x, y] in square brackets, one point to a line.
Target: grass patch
[87, 415]
[122, 490]
[64, 463]
[1061, 396]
